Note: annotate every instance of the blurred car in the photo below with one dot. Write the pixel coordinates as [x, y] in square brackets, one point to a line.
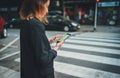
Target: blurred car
[3, 29]
[57, 22]
[14, 23]
[54, 12]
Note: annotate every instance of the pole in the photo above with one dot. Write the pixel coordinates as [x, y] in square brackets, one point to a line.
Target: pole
[95, 21]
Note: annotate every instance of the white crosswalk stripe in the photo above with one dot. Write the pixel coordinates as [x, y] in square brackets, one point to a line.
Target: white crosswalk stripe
[96, 39]
[87, 72]
[91, 48]
[111, 36]
[94, 43]
[88, 57]
[83, 72]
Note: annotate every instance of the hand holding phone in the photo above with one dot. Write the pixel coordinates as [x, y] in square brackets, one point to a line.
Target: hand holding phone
[55, 38]
[64, 37]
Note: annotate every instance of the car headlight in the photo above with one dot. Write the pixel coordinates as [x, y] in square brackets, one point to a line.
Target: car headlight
[78, 26]
[74, 24]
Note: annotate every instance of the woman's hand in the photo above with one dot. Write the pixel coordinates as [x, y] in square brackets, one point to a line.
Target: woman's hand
[55, 38]
[58, 45]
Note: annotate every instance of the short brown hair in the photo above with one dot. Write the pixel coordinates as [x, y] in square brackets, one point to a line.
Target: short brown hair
[33, 8]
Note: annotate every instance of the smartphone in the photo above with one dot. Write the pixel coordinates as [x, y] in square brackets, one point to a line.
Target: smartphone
[64, 37]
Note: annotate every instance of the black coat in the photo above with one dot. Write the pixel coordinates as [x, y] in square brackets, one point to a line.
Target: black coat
[36, 54]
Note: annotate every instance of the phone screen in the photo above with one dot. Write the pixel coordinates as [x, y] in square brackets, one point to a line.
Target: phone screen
[64, 37]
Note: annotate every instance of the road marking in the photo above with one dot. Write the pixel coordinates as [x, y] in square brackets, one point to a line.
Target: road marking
[90, 48]
[86, 72]
[99, 36]
[94, 43]
[14, 46]
[8, 45]
[9, 55]
[79, 71]
[83, 72]
[17, 60]
[88, 57]
[8, 73]
[95, 39]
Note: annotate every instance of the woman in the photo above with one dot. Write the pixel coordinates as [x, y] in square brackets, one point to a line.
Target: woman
[36, 54]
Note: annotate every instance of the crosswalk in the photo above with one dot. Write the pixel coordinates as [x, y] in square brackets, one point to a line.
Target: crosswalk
[89, 56]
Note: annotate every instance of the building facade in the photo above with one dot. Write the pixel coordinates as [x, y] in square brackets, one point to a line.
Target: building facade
[82, 11]
[9, 9]
[109, 12]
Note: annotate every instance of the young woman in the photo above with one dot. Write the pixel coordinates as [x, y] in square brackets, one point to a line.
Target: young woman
[36, 54]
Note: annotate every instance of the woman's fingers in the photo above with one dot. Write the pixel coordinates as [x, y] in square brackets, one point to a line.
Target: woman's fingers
[59, 36]
[55, 38]
[58, 45]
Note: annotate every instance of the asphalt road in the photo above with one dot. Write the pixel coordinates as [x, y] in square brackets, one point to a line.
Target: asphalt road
[84, 55]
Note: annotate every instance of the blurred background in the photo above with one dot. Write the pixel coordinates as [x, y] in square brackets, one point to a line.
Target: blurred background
[82, 11]
[93, 50]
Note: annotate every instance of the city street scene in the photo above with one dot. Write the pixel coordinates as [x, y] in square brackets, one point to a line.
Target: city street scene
[91, 51]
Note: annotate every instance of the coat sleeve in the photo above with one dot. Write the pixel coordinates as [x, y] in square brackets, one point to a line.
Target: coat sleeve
[43, 55]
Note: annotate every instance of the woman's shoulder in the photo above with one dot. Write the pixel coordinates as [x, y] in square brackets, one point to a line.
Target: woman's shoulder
[33, 23]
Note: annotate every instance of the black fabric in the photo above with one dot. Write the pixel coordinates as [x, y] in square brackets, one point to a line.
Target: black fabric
[36, 54]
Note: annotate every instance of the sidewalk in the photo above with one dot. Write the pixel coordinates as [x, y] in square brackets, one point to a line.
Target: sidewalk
[100, 28]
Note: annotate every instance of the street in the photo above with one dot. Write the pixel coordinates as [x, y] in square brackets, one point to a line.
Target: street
[83, 55]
